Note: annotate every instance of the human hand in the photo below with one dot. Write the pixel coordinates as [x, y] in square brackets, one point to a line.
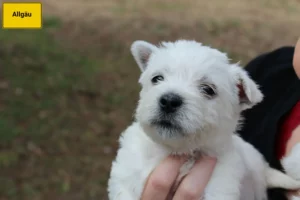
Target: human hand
[191, 187]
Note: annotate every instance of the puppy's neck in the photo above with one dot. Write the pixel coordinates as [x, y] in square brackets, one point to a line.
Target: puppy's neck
[210, 144]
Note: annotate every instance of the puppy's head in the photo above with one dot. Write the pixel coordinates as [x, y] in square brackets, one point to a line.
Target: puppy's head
[189, 89]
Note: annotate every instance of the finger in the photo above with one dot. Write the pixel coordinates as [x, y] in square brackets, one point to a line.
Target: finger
[296, 60]
[193, 185]
[162, 179]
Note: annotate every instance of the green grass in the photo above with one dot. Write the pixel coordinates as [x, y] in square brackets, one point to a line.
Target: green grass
[58, 122]
[37, 72]
[38, 78]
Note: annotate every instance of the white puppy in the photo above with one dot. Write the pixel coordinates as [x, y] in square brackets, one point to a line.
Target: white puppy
[190, 103]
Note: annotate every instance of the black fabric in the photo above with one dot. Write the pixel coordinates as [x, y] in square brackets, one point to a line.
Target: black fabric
[275, 75]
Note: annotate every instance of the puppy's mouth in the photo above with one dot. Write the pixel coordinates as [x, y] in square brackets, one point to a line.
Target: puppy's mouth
[166, 124]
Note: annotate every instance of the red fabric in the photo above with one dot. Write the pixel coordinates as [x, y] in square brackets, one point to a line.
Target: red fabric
[288, 126]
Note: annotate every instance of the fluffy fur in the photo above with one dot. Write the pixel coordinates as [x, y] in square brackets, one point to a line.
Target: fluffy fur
[291, 164]
[205, 96]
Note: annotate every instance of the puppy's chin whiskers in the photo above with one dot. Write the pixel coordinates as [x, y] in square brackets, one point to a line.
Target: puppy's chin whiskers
[169, 131]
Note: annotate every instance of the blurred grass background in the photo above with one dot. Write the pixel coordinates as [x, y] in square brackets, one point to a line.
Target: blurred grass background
[68, 90]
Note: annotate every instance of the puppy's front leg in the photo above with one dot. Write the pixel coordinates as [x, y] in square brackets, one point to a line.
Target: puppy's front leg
[226, 178]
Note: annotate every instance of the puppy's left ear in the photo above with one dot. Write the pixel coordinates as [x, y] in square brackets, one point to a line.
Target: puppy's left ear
[141, 52]
[247, 90]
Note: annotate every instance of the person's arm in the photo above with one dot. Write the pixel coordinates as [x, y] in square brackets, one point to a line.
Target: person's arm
[296, 60]
[295, 138]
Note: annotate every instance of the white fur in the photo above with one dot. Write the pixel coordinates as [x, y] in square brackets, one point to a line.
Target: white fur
[203, 125]
[291, 164]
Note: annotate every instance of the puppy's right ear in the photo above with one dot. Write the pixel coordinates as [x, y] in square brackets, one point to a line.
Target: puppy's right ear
[141, 52]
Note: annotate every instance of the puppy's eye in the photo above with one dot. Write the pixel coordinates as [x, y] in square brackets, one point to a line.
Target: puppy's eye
[209, 91]
[156, 79]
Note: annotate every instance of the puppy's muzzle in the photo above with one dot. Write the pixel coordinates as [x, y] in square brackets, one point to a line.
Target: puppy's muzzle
[170, 102]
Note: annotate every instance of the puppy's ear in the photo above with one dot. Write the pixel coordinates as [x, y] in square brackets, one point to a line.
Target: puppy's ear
[247, 90]
[141, 52]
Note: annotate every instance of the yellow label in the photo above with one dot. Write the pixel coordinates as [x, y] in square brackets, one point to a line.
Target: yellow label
[22, 15]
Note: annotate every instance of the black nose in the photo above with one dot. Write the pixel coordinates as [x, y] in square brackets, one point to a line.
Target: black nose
[170, 102]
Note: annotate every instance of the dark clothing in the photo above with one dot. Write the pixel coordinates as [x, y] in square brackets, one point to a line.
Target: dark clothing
[275, 75]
